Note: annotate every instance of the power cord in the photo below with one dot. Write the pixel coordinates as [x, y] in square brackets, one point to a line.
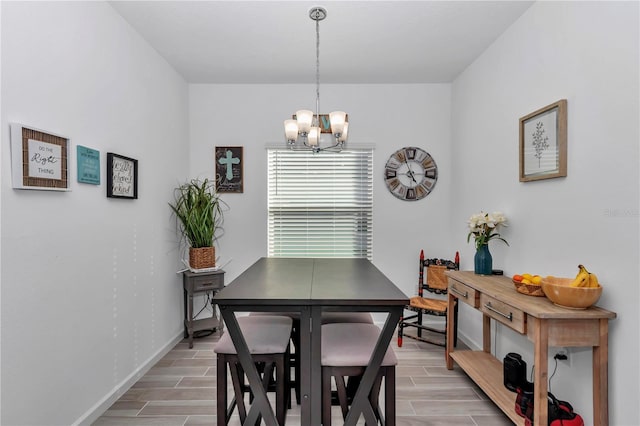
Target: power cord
[555, 358]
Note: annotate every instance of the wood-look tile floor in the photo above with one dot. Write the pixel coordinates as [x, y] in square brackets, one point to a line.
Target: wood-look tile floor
[180, 391]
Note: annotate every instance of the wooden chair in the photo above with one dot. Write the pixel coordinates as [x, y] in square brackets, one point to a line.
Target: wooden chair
[436, 283]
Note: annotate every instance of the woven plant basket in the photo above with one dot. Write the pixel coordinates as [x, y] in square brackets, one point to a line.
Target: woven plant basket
[202, 258]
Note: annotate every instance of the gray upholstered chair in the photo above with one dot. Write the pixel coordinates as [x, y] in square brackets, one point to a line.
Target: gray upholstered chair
[268, 342]
[327, 318]
[346, 351]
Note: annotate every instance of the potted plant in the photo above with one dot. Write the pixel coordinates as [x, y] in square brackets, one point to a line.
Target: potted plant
[198, 208]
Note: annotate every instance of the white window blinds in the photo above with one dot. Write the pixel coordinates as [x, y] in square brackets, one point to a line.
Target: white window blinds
[320, 205]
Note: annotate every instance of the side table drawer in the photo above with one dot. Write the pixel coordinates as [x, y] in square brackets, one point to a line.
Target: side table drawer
[207, 282]
[506, 314]
[463, 292]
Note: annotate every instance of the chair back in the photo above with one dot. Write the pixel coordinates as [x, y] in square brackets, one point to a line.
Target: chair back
[436, 281]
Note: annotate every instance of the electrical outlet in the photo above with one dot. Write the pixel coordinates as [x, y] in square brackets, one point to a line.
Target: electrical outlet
[562, 354]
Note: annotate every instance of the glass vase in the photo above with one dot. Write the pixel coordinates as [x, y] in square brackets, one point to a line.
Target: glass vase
[482, 261]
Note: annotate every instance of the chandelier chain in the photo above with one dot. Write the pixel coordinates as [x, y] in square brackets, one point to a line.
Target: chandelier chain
[318, 70]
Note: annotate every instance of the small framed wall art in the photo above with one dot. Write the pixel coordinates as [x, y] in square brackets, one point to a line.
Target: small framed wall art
[325, 123]
[122, 176]
[229, 167]
[88, 165]
[39, 159]
[543, 143]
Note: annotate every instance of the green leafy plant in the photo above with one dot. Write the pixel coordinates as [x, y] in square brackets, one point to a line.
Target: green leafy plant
[198, 208]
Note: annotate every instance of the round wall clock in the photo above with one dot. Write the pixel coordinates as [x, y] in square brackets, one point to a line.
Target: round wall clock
[410, 173]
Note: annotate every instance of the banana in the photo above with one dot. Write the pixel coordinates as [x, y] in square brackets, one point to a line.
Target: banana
[593, 280]
[582, 279]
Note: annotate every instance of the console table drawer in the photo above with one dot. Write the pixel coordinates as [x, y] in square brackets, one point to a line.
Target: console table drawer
[506, 314]
[207, 282]
[464, 293]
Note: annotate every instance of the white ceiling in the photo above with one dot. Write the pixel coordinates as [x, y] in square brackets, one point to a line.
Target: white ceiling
[360, 41]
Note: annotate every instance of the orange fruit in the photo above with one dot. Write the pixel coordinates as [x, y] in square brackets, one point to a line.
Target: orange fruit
[517, 278]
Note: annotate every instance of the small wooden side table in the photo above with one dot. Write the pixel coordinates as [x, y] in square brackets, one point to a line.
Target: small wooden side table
[200, 282]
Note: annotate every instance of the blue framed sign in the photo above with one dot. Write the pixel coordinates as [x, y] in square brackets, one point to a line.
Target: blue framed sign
[88, 165]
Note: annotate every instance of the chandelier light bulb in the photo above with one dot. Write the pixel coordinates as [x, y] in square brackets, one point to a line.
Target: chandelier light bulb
[314, 136]
[337, 119]
[291, 130]
[304, 118]
[343, 136]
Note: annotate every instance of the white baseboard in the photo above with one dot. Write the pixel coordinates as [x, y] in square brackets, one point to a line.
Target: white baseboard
[103, 405]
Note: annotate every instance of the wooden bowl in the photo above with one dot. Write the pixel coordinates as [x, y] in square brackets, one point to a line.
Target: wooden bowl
[528, 289]
[560, 293]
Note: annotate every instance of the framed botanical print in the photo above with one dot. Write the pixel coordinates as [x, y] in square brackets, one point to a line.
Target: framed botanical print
[39, 159]
[543, 143]
[122, 176]
[229, 169]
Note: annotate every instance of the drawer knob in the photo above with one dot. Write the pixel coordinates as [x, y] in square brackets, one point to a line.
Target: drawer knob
[492, 309]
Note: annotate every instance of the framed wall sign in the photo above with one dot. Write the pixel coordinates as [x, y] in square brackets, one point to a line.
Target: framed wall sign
[229, 166]
[39, 159]
[122, 176]
[325, 123]
[88, 165]
[543, 143]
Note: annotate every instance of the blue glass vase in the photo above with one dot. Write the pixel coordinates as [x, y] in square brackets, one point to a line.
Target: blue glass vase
[482, 261]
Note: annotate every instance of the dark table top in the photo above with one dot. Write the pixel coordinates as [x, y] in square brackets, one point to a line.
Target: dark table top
[297, 281]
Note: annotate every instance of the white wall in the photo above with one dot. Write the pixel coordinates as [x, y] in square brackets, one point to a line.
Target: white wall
[587, 53]
[89, 289]
[388, 116]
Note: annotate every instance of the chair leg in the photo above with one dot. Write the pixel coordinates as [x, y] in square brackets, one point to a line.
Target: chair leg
[237, 379]
[374, 395]
[341, 388]
[390, 395]
[296, 358]
[326, 396]
[419, 322]
[400, 327]
[281, 397]
[455, 325]
[221, 390]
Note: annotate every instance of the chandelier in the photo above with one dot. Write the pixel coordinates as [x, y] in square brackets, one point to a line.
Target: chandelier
[307, 126]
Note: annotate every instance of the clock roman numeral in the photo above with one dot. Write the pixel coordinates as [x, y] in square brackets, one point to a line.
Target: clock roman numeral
[410, 153]
[393, 184]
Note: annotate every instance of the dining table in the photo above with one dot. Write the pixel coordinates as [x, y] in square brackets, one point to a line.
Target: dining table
[309, 287]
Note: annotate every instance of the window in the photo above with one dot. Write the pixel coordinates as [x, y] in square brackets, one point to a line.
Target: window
[320, 205]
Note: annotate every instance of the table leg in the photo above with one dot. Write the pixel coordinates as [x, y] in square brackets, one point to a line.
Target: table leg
[186, 332]
[486, 333]
[541, 348]
[600, 373]
[450, 331]
[360, 404]
[190, 318]
[260, 404]
[315, 385]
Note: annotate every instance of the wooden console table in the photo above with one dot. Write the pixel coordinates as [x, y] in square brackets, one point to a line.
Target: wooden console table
[544, 323]
[200, 282]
